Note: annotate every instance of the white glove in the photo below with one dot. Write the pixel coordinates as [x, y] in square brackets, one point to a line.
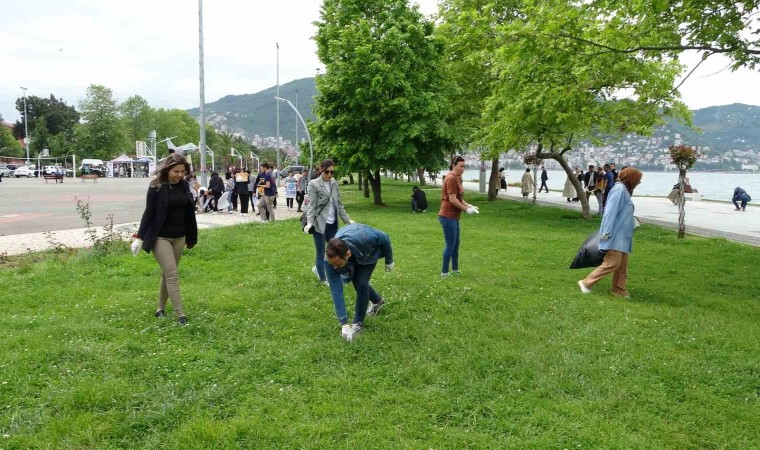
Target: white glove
[136, 246]
[351, 222]
[389, 267]
[472, 210]
[307, 228]
[605, 237]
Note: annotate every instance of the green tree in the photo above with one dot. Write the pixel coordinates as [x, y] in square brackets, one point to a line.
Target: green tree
[101, 136]
[137, 118]
[59, 117]
[8, 143]
[472, 32]
[551, 93]
[382, 98]
[727, 27]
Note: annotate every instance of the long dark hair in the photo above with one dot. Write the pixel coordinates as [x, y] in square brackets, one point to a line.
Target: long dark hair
[162, 173]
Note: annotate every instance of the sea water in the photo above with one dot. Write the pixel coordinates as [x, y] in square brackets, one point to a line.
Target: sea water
[712, 185]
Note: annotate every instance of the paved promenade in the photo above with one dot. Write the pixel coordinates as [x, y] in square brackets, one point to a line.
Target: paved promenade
[31, 208]
[706, 218]
[35, 214]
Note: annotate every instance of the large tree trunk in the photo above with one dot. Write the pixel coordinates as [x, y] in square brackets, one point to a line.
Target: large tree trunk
[351, 178]
[494, 181]
[681, 204]
[574, 179]
[421, 175]
[366, 184]
[374, 181]
[361, 183]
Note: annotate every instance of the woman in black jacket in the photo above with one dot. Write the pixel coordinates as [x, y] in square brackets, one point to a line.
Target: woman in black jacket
[167, 226]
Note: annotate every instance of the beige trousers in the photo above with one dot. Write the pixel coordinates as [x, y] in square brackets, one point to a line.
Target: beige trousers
[266, 202]
[615, 262]
[167, 252]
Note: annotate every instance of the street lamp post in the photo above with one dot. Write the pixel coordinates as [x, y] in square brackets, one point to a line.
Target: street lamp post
[308, 135]
[26, 128]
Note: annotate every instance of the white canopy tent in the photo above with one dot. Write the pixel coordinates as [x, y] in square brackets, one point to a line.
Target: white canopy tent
[120, 164]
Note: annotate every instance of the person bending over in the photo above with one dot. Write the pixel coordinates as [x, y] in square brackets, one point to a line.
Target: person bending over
[352, 256]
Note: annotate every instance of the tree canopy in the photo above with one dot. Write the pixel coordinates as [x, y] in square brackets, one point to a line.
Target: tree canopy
[382, 101]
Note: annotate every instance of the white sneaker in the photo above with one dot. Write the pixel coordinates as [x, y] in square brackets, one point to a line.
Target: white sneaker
[230, 212]
[326, 283]
[346, 332]
[583, 287]
[315, 272]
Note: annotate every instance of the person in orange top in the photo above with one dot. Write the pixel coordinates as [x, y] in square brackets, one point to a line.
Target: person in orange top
[452, 205]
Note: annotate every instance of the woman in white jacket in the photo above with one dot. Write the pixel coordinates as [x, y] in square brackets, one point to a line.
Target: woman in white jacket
[322, 214]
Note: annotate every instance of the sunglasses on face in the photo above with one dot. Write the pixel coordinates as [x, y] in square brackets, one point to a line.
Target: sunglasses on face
[329, 172]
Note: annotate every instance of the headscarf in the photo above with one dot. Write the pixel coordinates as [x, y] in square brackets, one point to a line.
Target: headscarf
[630, 177]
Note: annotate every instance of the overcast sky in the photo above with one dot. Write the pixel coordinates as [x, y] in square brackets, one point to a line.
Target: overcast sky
[150, 48]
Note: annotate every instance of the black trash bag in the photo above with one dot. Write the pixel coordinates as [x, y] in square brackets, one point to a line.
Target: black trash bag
[589, 254]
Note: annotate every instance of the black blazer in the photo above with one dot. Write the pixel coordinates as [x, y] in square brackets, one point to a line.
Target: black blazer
[153, 218]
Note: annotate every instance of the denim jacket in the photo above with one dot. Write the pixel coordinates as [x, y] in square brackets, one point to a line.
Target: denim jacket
[618, 221]
[366, 243]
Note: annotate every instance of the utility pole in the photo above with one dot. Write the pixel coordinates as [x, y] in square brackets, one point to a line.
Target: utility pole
[297, 147]
[278, 106]
[26, 127]
[202, 144]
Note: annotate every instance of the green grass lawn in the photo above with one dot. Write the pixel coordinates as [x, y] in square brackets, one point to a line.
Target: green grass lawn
[509, 355]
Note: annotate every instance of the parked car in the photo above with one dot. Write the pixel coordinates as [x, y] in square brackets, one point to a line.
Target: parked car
[7, 170]
[23, 171]
[295, 169]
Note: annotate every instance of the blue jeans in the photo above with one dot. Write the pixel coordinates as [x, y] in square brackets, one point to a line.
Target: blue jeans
[320, 241]
[451, 236]
[364, 292]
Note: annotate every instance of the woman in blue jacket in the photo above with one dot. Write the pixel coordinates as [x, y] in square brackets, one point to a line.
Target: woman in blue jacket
[352, 256]
[616, 235]
[168, 226]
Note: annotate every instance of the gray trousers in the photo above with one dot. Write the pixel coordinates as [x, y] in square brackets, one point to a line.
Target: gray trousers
[167, 252]
[266, 203]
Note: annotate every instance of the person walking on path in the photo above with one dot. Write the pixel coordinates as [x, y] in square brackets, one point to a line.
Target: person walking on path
[452, 205]
[609, 182]
[569, 190]
[544, 177]
[322, 212]
[290, 189]
[616, 235]
[352, 256]
[168, 226]
[241, 188]
[526, 184]
[600, 184]
[740, 195]
[502, 179]
[266, 207]
[216, 186]
[229, 186]
[300, 189]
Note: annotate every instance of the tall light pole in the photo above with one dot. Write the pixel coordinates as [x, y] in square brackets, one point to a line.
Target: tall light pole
[26, 128]
[308, 136]
[202, 144]
[297, 149]
[278, 105]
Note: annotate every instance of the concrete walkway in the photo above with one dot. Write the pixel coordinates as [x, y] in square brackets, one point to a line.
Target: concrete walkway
[706, 218]
[32, 242]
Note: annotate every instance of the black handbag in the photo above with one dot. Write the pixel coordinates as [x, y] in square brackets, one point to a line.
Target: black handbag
[589, 254]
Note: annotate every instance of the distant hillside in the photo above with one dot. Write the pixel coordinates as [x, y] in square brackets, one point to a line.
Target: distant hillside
[252, 114]
[724, 128]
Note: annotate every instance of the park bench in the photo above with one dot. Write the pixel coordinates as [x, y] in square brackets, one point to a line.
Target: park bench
[52, 176]
[89, 177]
